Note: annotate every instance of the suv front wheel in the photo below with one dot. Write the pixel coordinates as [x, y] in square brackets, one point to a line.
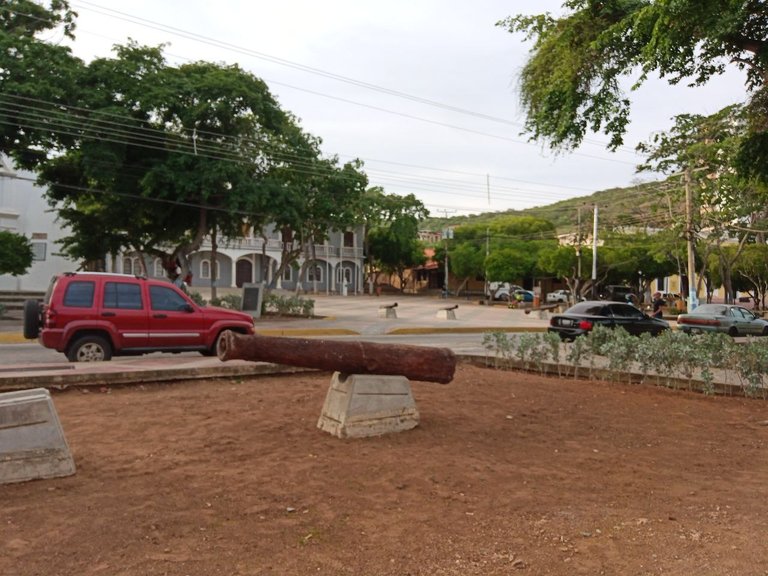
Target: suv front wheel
[89, 349]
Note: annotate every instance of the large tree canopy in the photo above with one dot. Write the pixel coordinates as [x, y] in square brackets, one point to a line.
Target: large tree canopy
[142, 155]
[571, 83]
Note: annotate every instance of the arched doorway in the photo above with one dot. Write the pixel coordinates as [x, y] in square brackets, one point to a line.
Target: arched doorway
[243, 272]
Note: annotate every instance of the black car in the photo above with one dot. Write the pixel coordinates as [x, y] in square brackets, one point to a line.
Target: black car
[582, 317]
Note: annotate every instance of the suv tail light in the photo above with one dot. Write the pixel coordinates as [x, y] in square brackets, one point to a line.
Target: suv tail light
[49, 318]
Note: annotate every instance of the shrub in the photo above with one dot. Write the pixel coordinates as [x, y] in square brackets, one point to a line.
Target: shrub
[671, 355]
[197, 298]
[289, 305]
[231, 301]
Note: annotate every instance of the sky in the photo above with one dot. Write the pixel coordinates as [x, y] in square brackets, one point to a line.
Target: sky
[422, 91]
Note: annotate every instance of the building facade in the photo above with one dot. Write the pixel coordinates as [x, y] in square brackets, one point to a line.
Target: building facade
[24, 211]
[337, 269]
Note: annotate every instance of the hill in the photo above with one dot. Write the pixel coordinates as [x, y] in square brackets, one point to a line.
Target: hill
[644, 204]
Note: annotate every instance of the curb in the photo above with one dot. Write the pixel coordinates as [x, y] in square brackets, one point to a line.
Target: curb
[152, 376]
[13, 338]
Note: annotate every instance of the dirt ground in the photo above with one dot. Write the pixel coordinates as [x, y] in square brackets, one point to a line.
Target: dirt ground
[507, 473]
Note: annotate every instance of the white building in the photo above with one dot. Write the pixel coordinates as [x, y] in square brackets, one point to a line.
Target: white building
[24, 210]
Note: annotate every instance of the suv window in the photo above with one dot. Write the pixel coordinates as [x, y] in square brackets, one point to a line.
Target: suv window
[163, 298]
[79, 294]
[122, 295]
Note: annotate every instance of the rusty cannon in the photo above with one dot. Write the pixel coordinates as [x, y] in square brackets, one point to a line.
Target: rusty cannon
[422, 363]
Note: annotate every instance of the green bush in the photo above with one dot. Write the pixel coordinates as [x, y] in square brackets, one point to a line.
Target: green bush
[670, 357]
[197, 298]
[231, 301]
[289, 305]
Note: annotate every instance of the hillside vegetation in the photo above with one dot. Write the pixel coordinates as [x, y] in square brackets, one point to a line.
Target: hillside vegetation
[646, 204]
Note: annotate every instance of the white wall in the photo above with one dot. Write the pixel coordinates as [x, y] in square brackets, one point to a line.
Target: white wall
[24, 210]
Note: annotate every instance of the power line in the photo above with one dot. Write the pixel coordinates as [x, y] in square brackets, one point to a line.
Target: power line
[80, 122]
[119, 15]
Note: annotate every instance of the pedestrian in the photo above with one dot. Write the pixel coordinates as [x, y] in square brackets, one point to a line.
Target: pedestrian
[658, 302]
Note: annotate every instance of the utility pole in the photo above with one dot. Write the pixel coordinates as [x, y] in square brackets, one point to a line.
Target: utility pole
[578, 247]
[486, 289]
[447, 233]
[594, 256]
[693, 300]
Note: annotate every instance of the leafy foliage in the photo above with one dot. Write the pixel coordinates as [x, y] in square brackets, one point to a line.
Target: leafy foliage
[15, 253]
[671, 359]
[572, 82]
[289, 305]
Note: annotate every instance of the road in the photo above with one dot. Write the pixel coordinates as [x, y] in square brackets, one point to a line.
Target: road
[36, 355]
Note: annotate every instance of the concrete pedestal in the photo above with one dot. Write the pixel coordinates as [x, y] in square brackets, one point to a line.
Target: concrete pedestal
[387, 312]
[32, 443]
[358, 406]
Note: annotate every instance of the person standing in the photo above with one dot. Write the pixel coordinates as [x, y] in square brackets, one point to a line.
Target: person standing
[658, 302]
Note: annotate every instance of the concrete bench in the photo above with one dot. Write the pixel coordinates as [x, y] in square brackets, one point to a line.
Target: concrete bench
[32, 443]
[388, 310]
[447, 313]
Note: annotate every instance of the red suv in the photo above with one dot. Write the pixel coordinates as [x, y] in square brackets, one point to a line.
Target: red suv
[92, 316]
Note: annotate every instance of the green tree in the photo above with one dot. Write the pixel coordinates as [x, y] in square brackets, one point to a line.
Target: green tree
[571, 263]
[700, 151]
[751, 273]
[32, 73]
[571, 83]
[515, 243]
[395, 249]
[468, 250]
[390, 221]
[15, 253]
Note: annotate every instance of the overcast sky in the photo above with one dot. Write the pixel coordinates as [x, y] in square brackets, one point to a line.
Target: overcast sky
[423, 91]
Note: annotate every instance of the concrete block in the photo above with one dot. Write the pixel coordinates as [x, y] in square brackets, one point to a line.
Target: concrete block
[363, 405]
[387, 312]
[32, 443]
[446, 314]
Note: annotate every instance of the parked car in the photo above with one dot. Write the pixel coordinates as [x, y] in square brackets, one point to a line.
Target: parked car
[505, 291]
[558, 296]
[91, 317]
[521, 295]
[617, 293]
[581, 318]
[727, 318]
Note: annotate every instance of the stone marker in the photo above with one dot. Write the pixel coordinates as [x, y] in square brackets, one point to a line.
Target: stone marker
[32, 443]
[388, 311]
[362, 405]
[448, 313]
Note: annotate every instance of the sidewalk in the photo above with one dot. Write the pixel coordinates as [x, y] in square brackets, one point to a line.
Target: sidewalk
[335, 316]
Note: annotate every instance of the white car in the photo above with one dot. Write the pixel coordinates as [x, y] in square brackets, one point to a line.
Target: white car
[559, 296]
[505, 292]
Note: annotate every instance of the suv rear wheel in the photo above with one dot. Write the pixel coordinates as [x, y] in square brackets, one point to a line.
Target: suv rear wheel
[90, 349]
[31, 319]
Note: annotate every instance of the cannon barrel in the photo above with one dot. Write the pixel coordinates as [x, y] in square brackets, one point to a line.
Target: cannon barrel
[414, 362]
